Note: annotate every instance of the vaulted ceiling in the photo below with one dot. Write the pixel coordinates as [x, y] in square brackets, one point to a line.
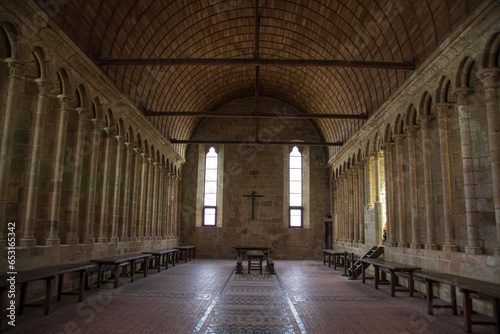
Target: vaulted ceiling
[171, 45]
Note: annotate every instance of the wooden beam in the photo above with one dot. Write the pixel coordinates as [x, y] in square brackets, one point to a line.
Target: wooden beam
[251, 115]
[255, 142]
[254, 62]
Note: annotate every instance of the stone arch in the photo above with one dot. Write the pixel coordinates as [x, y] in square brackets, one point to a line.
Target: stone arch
[443, 90]
[425, 104]
[129, 135]
[120, 127]
[411, 115]
[96, 109]
[491, 55]
[109, 119]
[398, 124]
[387, 138]
[138, 142]
[81, 97]
[463, 73]
[63, 82]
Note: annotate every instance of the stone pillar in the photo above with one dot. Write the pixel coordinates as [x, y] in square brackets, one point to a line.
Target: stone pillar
[378, 158]
[149, 198]
[355, 199]
[117, 190]
[350, 212]
[442, 111]
[103, 217]
[142, 197]
[177, 206]
[344, 207]
[389, 197]
[490, 79]
[429, 194]
[399, 138]
[164, 201]
[135, 206]
[92, 188]
[76, 182]
[361, 199]
[57, 175]
[159, 201]
[411, 131]
[126, 193]
[168, 199]
[16, 70]
[28, 225]
[154, 204]
[369, 182]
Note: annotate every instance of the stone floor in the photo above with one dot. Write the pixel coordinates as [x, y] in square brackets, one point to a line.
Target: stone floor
[205, 296]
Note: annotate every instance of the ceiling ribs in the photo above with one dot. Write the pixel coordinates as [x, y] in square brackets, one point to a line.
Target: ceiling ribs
[255, 142]
[253, 115]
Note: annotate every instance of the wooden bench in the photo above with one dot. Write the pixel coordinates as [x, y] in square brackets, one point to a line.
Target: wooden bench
[239, 265]
[327, 254]
[392, 268]
[48, 274]
[255, 255]
[270, 266]
[470, 289]
[189, 252]
[117, 262]
[163, 256]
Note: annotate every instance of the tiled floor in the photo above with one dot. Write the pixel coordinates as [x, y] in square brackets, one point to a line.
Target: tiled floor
[205, 296]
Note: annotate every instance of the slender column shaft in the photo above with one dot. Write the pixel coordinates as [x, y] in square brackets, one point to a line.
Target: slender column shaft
[335, 209]
[135, 206]
[361, 188]
[30, 204]
[57, 175]
[355, 198]
[490, 79]
[125, 206]
[177, 206]
[104, 217]
[142, 196]
[377, 171]
[164, 201]
[16, 70]
[169, 201]
[92, 187]
[149, 199]
[350, 213]
[411, 131]
[429, 194]
[344, 210]
[76, 182]
[401, 189]
[117, 189]
[154, 204]
[368, 182]
[159, 200]
[389, 186]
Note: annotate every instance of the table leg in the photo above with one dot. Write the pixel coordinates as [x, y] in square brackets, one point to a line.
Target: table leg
[132, 270]
[99, 275]
[146, 267]
[48, 294]
[158, 261]
[115, 271]
[393, 283]
[249, 263]
[260, 264]
[467, 305]
[410, 282]
[376, 268]
[59, 287]
[82, 285]
[453, 297]
[430, 296]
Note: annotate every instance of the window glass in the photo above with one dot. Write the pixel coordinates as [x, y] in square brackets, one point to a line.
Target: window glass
[210, 198]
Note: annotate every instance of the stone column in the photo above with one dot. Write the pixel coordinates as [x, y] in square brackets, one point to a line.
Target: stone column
[411, 131]
[355, 199]
[117, 190]
[28, 225]
[142, 196]
[57, 175]
[369, 182]
[389, 197]
[429, 194]
[92, 187]
[149, 198]
[378, 203]
[169, 204]
[399, 138]
[177, 205]
[490, 79]
[344, 207]
[76, 182]
[154, 204]
[16, 70]
[164, 201]
[350, 212]
[126, 193]
[135, 206]
[159, 201]
[442, 111]
[103, 217]
[361, 199]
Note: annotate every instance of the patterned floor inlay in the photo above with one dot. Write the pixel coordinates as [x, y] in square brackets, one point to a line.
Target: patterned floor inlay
[251, 303]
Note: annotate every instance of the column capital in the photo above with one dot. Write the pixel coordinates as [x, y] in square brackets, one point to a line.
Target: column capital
[65, 101]
[490, 77]
[109, 131]
[16, 67]
[425, 120]
[461, 94]
[119, 139]
[98, 124]
[44, 86]
[398, 138]
[388, 147]
[442, 110]
[82, 111]
[411, 130]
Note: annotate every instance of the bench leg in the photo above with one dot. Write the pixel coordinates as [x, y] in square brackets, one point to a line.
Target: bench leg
[99, 275]
[376, 278]
[410, 282]
[82, 285]
[115, 271]
[467, 305]
[59, 287]
[48, 294]
[430, 296]
[393, 283]
[132, 270]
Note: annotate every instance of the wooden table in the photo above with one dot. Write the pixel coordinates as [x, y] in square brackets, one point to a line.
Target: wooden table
[48, 274]
[255, 254]
[392, 267]
[121, 260]
[162, 257]
[470, 289]
[189, 252]
[243, 250]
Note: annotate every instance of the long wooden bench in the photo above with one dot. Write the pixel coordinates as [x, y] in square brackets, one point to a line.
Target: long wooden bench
[270, 266]
[48, 274]
[188, 252]
[393, 268]
[470, 289]
[121, 260]
[163, 257]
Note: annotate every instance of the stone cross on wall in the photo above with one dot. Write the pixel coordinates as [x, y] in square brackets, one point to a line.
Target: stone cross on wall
[253, 195]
